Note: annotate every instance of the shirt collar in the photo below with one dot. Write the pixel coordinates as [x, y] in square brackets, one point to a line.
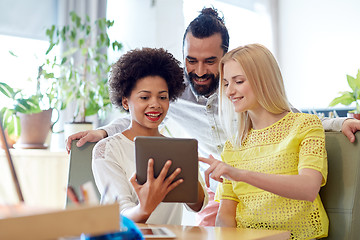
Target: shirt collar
[202, 98]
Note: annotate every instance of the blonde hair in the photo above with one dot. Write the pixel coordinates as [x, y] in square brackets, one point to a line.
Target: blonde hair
[263, 73]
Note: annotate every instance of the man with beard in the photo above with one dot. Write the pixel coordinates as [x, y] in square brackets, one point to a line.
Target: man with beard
[195, 113]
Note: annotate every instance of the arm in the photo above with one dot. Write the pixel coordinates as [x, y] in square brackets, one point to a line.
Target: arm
[226, 214]
[114, 127]
[350, 127]
[202, 199]
[304, 186]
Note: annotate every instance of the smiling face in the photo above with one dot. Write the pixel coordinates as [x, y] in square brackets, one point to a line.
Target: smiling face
[148, 104]
[202, 58]
[238, 89]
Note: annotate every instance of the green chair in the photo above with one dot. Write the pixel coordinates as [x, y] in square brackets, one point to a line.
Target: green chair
[80, 170]
[341, 194]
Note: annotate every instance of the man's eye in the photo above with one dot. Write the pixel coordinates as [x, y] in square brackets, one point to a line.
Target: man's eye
[210, 62]
[191, 61]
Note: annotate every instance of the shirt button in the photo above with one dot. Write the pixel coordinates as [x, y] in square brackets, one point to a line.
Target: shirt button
[213, 127]
[219, 146]
[208, 106]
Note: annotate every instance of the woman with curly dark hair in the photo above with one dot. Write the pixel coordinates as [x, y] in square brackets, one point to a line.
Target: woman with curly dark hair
[142, 82]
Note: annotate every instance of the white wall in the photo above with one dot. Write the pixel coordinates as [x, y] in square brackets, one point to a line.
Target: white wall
[319, 45]
[139, 24]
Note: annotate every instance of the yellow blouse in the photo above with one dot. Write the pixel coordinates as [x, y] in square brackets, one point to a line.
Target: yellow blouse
[296, 141]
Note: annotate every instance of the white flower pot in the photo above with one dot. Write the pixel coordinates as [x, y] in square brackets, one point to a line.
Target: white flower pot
[74, 127]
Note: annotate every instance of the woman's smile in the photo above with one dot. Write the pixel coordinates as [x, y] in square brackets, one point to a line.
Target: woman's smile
[153, 116]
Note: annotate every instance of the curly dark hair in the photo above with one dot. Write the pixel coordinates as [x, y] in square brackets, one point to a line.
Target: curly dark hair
[140, 63]
[207, 24]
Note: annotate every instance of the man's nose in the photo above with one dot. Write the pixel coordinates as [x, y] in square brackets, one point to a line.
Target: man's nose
[200, 69]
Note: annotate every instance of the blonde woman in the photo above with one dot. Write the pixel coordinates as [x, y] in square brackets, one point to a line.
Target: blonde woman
[274, 161]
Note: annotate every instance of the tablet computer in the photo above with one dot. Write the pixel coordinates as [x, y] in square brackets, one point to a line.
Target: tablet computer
[182, 152]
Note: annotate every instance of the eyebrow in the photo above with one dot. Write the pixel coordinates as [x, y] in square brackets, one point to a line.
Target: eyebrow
[239, 75]
[145, 91]
[209, 58]
[234, 77]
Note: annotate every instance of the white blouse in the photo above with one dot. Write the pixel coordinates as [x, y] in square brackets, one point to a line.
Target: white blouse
[113, 164]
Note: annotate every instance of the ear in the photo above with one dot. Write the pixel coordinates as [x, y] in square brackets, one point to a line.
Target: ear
[124, 103]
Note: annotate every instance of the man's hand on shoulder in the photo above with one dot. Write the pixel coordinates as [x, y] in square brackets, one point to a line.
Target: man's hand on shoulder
[350, 127]
[85, 136]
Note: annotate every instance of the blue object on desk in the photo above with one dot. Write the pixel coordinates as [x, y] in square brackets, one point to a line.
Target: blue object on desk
[128, 231]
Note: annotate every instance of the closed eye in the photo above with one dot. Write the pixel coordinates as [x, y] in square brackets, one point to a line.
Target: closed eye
[191, 60]
[210, 62]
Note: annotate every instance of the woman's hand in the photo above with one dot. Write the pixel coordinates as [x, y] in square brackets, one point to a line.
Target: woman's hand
[218, 170]
[154, 190]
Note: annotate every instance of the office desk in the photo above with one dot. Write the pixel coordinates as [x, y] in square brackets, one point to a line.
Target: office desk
[219, 233]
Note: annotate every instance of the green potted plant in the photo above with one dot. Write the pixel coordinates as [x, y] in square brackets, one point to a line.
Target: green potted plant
[349, 97]
[27, 118]
[82, 70]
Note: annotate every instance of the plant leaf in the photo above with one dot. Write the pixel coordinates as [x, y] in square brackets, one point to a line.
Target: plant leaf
[357, 80]
[346, 99]
[7, 90]
[351, 82]
[13, 54]
[30, 105]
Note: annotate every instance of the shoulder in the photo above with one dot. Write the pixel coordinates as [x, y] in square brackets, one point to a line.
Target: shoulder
[305, 120]
[112, 142]
[307, 126]
[117, 149]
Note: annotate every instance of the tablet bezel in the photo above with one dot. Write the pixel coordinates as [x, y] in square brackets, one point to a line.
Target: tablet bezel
[182, 152]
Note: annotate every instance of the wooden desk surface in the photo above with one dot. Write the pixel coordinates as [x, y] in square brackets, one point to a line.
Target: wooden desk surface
[219, 233]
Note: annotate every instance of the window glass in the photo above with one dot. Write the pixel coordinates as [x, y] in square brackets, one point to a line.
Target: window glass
[21, 71]
[245, 25]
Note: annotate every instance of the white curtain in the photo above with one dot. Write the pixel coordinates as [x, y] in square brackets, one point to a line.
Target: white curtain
[95, 9]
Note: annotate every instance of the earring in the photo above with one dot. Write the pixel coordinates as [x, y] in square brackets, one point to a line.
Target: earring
[126, 108]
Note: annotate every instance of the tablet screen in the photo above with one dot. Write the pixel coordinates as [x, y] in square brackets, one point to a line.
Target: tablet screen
[183, 154]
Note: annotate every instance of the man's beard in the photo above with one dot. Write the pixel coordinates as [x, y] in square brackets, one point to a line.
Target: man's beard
[203, 90]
